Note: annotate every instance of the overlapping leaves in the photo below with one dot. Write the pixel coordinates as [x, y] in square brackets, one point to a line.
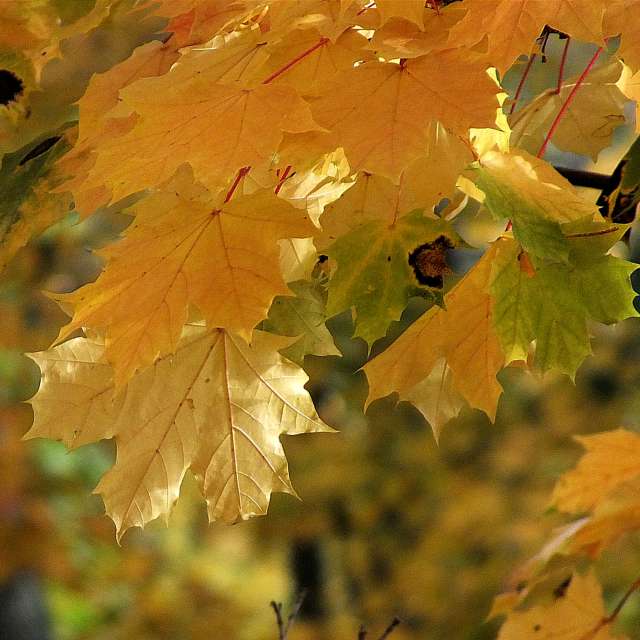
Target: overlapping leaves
[231, 130]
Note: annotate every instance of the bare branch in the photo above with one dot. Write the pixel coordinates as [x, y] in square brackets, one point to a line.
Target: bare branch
[284, 627]
[393, 624]
[277, 608]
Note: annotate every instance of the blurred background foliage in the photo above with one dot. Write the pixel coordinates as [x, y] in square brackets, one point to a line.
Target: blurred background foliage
[390, 523]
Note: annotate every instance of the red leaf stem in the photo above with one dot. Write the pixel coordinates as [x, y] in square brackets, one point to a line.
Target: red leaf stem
[567, 102]
[295, 61]
[282, 178]
[523, 79]
[241, 174]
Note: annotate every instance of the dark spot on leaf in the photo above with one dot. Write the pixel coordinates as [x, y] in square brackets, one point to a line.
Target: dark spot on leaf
[10, 86]
[429, 262]
[388, 258]
[537, 627]
[39, 149]
[561, 589]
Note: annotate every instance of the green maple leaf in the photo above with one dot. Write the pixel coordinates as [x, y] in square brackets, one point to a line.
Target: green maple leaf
[554, 302]
[302, 315]
[374, 274]
[520, 188]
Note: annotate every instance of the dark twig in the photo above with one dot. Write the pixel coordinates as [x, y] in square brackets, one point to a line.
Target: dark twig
[295, 611]
[607, 620]
[362, 633]
[387, 632]
[284, 627]
[277, 608]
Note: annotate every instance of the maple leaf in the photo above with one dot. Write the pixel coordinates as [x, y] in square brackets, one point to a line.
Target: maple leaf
[534, 197]
[621, 19]
[298, 257]
[398, 39]
[184, 124]
[320, 58]
[26, 205]
[382, 113]
[630, 85]
[512, 26]
[588, 121]
[217, 406]
[462, 333]
[436, 398]
[302, 315]
[151, 59]
[554, 301]
[615, 516]
[376, 198]
[186, 246]
[611, 459]
[520, 314]
[577, 614]
[206, 17]
[374, 274]
[410, 10]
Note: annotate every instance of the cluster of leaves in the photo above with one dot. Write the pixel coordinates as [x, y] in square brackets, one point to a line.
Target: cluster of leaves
[286, 161]
[602, 489]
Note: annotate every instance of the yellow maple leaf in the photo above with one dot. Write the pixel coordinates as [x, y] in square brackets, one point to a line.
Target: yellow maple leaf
[577, 614]
[374, 197]
[614, 517]
[512, 26]
[398, 39]
[435, 397]
[629, 84]
[151, 59]
[612, 458]
[622, 17]
[216, 127]
[218, 406]
[523, 173]
[204, 17]
[462, 333]
[318, 58]
[382, 113]
[410, 10]
[588, 122]
[186, 246]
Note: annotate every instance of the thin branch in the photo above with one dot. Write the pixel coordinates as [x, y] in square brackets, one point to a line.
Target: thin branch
[523, 79]
[562, 64]
[388, 631]
[578, 178]
[568, 101]
[614, 614]
[295, 611]
[362, 633]
[607, 620]
[295, 61]
[277, 608]
[284, 627]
